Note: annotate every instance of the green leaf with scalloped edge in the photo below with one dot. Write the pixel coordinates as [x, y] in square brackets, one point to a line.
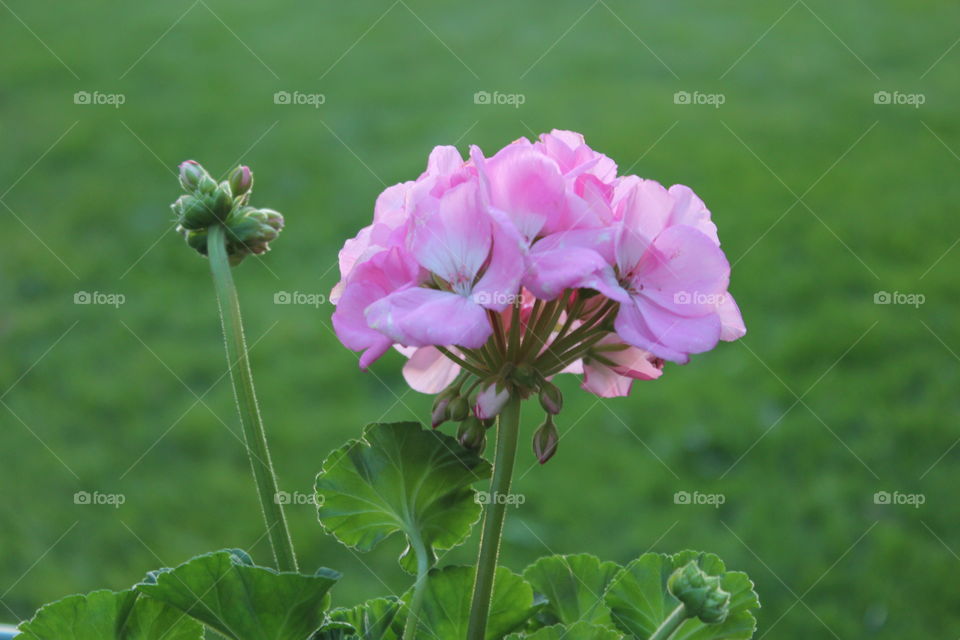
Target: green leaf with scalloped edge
[230, 594]
[401, 478]
[574, 587]
[445, 611]
[578, 631]
[372, 620]
[109, 615]
[639, 600]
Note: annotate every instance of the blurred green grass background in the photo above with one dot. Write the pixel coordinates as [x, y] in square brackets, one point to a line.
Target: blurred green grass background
[823, 198]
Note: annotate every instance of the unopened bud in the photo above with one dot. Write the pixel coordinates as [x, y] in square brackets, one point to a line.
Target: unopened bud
[438, 415]
[459, 409]
[221, 201]
[545, 440]
[206, 185]
[190, 174]
[241, 181]
[472, 435]
[700, 593]
[490, 401]
[193, 213]
[550, 398]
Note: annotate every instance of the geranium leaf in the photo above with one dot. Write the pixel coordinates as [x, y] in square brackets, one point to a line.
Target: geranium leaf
[227, 592]
[400, 478]
[110, 615]
[577, 631]
[372, 620]
[639, 600]
[446, 603]
[574, 587]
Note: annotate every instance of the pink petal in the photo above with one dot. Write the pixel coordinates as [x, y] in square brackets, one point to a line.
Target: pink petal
[688, 209]
[665, 334]
[684, 272]
[420, 317]
[453, 238]
[731, 322]
[369, 282]
[524, 184]
[500, 284]
[429, 371]
[573, 259]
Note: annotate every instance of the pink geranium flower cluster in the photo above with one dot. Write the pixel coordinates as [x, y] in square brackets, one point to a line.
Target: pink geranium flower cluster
[538, 259]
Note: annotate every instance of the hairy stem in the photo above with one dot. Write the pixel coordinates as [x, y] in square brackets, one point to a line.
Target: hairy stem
[508, 427]
[242, 377]
[419, 588]
[671, 624]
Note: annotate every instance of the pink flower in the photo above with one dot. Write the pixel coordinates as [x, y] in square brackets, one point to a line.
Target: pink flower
[610, 373]
[602, 275]
[672, 277]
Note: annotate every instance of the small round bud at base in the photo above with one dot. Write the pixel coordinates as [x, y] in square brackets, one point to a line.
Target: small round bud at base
[545, 440]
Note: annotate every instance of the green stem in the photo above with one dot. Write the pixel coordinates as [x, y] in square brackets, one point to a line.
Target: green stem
[250, 421]
[671, 624]
[508, 427]
[419, 588]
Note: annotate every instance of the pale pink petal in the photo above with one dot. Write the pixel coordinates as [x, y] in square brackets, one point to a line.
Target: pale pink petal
[422, 317]
[684, 272]
[500, 284]
[665, 334]
[688, 209]
[605, 382]
[731, 322]
[524, 184]
[453, 239]
[429, 371]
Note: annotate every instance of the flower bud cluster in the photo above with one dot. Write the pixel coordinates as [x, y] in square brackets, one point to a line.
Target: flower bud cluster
[701, 593]
[207, 203]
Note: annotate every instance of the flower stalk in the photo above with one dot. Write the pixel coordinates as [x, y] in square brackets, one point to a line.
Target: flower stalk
[249, 412]
[508, 429]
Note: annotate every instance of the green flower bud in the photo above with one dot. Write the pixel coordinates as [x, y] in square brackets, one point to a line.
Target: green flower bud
[193, 213]
[206, 185]
[190, 174]
[241, 181]
[196, 240]
[472, 435]
[700, 593]
[459, 409]
[248, 230]
[545, 440]
[221, 201]
[525, 375]
[550, 398]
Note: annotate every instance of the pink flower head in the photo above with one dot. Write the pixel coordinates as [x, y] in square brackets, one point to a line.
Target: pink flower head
[494, 274]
